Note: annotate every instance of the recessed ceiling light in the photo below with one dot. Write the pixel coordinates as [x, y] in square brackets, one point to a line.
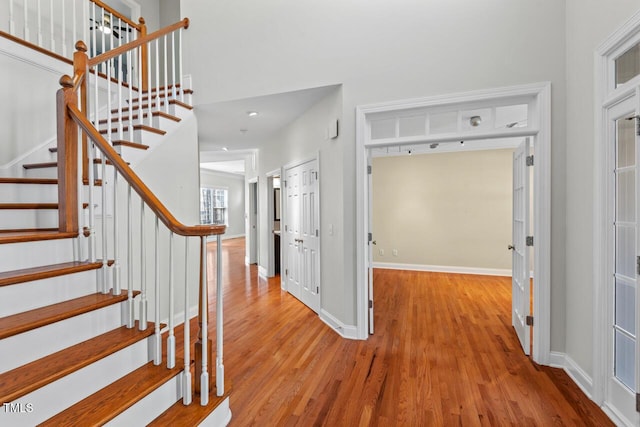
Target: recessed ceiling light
[243, 131]
[252, 113]
[225, 149]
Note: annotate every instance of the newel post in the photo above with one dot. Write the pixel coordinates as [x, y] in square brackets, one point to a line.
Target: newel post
[80, 68]
[67, 158]
[144, 57]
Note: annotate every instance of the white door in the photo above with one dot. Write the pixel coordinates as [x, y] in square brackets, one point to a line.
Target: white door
[309, 236]
[293, 259]
[253, 223]
[302, 234]
[370, 238]
[623, 344]
[520, 250]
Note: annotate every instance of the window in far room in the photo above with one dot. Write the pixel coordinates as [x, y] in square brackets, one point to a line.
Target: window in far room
[213, 206]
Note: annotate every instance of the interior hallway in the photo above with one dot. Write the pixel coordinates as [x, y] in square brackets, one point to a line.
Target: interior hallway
[444, 353]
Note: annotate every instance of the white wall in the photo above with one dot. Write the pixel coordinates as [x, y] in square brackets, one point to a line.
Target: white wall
[381, 51]
[589, 23]
[444, 209]
[235, 186]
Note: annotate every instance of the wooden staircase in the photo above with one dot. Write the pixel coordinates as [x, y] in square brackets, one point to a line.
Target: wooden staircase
[67, 356]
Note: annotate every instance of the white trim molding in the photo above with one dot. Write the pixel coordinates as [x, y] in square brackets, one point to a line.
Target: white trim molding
[444, 269]
[345, 331]
[538, 98]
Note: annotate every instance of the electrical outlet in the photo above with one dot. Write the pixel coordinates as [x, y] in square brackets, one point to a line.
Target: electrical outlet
[394, 252]
[381, 252]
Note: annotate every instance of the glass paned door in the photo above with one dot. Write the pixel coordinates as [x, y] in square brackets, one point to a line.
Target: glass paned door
[626, 250]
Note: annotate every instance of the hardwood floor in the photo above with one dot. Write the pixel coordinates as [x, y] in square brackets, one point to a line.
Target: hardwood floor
[444, 353]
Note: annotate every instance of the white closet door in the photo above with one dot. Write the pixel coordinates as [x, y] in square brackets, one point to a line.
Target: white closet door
[293, 265]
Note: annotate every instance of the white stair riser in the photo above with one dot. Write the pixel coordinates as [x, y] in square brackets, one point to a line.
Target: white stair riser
[57, 396]
[40, 293]
[51, 172]
[28, 218]
[23, 348]
[147, 409]
[220, 417]
[16, 256]
[28, 193]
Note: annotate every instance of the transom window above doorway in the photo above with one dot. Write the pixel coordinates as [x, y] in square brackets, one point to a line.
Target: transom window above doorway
[423, 122]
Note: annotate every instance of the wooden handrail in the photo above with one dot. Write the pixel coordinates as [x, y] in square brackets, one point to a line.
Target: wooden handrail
[136, 183]
[92, 62]
[115, 13]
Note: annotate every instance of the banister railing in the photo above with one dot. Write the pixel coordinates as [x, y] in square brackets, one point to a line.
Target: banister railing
[84, 106]
[53, 26]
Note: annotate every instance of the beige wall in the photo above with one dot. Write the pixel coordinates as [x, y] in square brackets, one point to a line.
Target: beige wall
[447, 209]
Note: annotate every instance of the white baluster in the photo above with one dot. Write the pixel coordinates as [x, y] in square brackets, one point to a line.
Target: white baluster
[182, 88]
[64, 31]
[53, 39]
[219, 320]
[129, 56]
[116, 237]
[137, 69]
[149, 82]
[166, 79]
[12, 25]
[105, 282]
[157, 76]
[104, 49]
[74, 26]
[171, 340]
[204, 376]
[120, 114]
[92, 231]
[26, 20]
[143, 272]
[94, 45]
[109, 134]
[173, 66]
[186, 382]
[130, 317]
[157, 354]
[39, 12]
[85, 21]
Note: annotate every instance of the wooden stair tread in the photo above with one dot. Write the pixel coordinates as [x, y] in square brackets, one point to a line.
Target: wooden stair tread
[22, 206]
[28, 206]
[153, 105]
[13, 236]
[131, 144]
[192, 415]
[46, 271]
[135, 127]
[38, 317]
[40, 165]
[104, 405]
[28, 181]
[117, 118]
[27, 378]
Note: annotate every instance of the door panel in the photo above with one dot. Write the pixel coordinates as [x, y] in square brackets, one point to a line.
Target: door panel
[520, 282]
[302, 234]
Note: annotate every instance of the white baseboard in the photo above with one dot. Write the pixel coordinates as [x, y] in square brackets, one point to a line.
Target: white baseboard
[575, 372]
[444, 269]
[345, 331]
[616, 417]
[262, 272]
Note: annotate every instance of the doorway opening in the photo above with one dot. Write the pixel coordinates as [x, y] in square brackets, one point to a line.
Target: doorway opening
[274, 217]
[468, 117]
[252, 223]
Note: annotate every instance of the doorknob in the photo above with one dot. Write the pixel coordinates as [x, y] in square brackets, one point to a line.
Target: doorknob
[373, 243]
[511, 247]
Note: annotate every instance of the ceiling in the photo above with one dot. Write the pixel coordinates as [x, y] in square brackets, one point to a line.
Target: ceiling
[227, 124]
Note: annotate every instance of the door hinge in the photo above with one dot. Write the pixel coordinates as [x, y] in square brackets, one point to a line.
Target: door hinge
[530, 160]
[370, 303]
[370, 238]
[316, 175]
[529, 240]
[638, 264]
[529, 320]
[637, 119]
[317, 232]
[286, 228]
[369, 169]
[284, 183]
[638, 402]
[286, 272]
[317, 289]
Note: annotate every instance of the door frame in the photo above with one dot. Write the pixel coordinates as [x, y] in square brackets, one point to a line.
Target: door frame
[607, 96]
[271, 256]
[538, 98]
[252, 242]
